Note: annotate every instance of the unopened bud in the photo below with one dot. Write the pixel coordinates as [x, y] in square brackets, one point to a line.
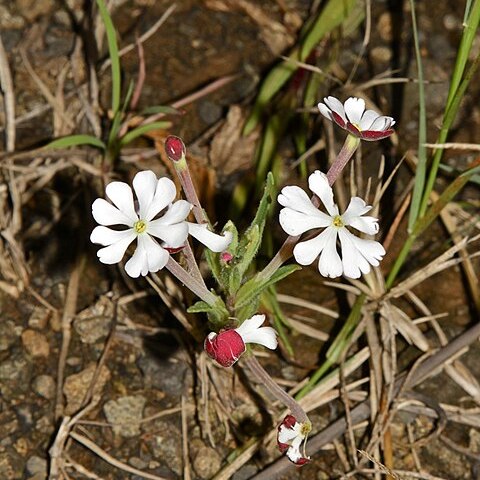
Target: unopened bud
[226, 257]
[175, 148]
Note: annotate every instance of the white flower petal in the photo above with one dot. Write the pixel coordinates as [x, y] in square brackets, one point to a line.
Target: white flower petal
[251, 332]
[293, 453]
[318, 184]
[336, 106]
[285, 435]
[250, 324]
[382, 123]
[368, 225]
[265, 336]
[354, 108]
[105, 213]
[297, 199]
[138, 263]
[358, 254]
[329, 263]
[295, 223]
[107, 236]
[306, 252]
[173, 235]
[325, 111]
[216, 243]
[114, 252]
[177, 212]
[157, 257]
[367, 119]
[121, 195]
[356, 208]
[165, 193]
[144, 184]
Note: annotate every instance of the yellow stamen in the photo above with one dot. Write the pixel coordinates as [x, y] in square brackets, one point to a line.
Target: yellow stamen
[338, 222]
[140, 226]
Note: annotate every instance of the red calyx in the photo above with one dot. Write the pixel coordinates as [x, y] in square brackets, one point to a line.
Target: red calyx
[175, 148]
[225, 348]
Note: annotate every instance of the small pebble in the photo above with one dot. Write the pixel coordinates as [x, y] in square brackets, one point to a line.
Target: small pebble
[125, 414]
[44, 385]
[35, 343]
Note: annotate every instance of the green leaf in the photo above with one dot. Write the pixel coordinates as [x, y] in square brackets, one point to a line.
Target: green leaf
[217, 314]
[113, 53]
[420, 173]
[447, 196]
[75, 140]
[142, 130]
[254, 287]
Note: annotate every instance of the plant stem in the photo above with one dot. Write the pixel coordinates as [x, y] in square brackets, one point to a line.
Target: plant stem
[278, 392]
[191, 283]
[345, 154]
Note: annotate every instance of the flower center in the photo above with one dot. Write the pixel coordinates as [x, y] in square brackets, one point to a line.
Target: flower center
[337, 221]
[140, 226]
[305, 429]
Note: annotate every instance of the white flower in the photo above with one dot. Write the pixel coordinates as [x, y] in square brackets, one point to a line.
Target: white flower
[154, 196]
[227, 346]
[300, 215]
[291, 434]
[352, 116]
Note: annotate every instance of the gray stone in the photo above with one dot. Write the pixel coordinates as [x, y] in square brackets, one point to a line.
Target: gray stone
[207, 462]
[8, 335]
[37, 466]
[125, 414]
[44, 385]
[77, 385]
[92, 329]
[165, 442]
[169, 376]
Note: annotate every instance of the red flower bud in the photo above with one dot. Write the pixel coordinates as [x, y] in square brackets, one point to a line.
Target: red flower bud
[226, 257]
[225, 347]
[175, 148]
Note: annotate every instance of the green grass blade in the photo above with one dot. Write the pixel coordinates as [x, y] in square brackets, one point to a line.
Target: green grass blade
[458, 86]
[113, 53]
[447, 195]
[338, 347]
[332, 15]
[420, 173]
[76, 140]
[139, 131]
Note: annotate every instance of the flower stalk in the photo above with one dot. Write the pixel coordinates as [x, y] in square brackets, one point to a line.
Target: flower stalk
[191, 283]
[349, 147]
[256, 368]
[176, 152]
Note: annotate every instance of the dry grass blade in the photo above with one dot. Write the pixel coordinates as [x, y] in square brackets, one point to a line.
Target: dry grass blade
[405, 326]
[307, 330]
[299, 302]
[435, 266]
[6, 84]
[112, 460]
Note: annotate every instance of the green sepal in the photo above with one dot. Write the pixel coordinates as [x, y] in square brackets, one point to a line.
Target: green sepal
[254, 287]
[217, 313]
[218, 268]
